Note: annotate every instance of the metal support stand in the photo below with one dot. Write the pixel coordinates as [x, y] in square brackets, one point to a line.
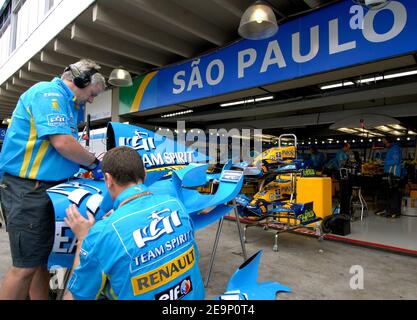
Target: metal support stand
[239, 230]
[216, 242]
[213, 253]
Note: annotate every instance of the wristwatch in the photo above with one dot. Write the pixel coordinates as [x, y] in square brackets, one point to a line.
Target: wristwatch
[92, 166]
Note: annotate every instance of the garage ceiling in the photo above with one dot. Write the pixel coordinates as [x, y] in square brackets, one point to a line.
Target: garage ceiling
[141, 35]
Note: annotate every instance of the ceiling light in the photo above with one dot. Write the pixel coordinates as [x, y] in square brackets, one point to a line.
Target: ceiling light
[120, 78]
[264, 98]
[374, 79]
[383, 128]
[347, 130]
[235, 103]
[412, 133]
[396, 133]
[401, 74]
[258, 22]
[337, 85]
[169, 115]
[397, 127]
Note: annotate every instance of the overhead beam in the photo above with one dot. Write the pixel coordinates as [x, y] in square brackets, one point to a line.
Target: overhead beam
[27, 75]
[56, 59]
[46, 69]
[100, 56]
[61, 60]
[183, 19]
[132, 28]
[10, 87]
[118, 46]
[233, 6]
[6, 98]
[22, 82]
[8, 95]
[8, 103]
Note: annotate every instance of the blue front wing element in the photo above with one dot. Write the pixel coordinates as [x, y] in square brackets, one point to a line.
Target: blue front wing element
[243, 284]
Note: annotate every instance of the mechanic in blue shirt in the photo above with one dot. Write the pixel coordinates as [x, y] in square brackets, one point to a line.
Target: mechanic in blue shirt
[39, 151]
[339, 160]
[317, 158]
[391, 187]
[144, 250]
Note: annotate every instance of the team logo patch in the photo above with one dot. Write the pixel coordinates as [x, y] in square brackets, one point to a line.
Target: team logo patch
[55, 104]
[164, 274]
[56, 120]
[162, 222]
[177, 292]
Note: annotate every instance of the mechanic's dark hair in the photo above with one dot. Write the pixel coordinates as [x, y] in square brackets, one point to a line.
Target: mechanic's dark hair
[124, 164]
[345, 145]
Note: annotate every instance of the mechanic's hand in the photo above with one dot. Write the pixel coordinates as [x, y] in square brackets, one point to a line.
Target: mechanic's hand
[97, 172]
[78, 224]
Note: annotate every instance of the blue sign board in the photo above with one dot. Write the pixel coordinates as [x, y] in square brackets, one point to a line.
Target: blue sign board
[335, 37]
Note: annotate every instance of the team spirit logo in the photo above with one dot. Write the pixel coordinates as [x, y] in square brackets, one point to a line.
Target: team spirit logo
[177, 292]
[163, 222]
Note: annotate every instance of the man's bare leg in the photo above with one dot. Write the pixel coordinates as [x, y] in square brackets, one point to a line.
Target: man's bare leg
[39, 287]
[16, 283]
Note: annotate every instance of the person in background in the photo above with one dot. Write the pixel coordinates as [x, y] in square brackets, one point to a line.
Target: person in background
[41, 150]
[317, 158]
[144, 250]
[334, 164]
[391, 187]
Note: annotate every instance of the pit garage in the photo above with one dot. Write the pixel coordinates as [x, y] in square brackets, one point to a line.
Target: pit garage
[335, 73]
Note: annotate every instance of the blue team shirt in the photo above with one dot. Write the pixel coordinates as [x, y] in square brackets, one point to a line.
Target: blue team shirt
[392, 162]
[45, 109]
[144, 250]
[338, 161]
[318, 159]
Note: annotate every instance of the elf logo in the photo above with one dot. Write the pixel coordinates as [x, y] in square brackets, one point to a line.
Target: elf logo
[177, 292]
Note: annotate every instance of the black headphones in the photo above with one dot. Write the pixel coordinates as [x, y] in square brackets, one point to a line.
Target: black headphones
[81, 79]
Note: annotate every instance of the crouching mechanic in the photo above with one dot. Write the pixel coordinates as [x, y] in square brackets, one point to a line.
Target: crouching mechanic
[144, 250]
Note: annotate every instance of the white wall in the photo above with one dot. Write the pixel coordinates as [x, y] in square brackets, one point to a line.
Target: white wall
[33, 37]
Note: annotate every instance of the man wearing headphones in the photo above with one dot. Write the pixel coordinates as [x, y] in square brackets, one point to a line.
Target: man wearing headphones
[40, 150]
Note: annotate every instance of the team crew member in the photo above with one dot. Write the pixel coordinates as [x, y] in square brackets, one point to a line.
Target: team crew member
[39, 151]
[144, 250]
[340, 159]
[317, 158]
[391, 186]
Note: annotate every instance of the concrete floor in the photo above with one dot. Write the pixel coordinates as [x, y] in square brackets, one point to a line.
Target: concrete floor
[312, 269]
